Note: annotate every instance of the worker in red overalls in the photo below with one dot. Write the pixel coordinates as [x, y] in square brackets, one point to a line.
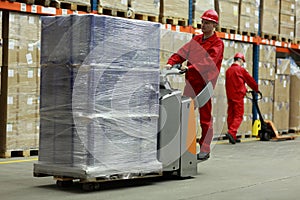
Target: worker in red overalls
[236, 78]
[204, 54]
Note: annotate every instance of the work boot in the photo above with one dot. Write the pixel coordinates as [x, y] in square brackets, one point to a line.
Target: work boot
[202, 156]
[230, 138]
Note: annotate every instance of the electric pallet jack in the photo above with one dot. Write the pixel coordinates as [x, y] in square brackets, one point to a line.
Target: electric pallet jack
[177, 125]
[263, 129]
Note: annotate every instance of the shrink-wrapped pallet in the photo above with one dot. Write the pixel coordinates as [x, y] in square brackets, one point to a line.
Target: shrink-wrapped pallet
[99, 97]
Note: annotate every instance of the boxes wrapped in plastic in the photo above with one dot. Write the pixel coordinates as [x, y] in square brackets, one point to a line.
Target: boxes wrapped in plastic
[99, 96]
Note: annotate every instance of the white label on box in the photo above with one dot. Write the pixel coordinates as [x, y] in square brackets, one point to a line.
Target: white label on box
[284, 84]
[247, 25]
[29, 101]
[292, 18]
[124, 2]
[293, 6]
[11, 44]
[10, 100]
[31, 20]
[30, 74]
[11, 73]
[9, 127]
[248, 10]
[29, 58]
[11, 17]
[235, 10]
[30, 47]
[271, 72]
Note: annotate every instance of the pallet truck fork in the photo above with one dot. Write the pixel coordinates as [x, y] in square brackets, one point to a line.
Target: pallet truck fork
[264, 129]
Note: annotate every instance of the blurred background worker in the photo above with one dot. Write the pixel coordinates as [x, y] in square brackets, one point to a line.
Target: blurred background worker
[204, 54]
[236, 77]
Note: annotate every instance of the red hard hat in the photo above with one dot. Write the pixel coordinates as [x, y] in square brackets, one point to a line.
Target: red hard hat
[240, 55]
[211, 15]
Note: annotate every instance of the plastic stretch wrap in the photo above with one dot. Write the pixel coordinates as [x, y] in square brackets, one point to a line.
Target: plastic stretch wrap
[99, 96]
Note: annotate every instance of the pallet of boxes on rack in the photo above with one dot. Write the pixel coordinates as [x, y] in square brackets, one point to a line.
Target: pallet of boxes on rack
[199, 7]
[287, 21]
[281, 106]
[117, 8]
[220, 98]
[294, 119]
[297, 22]
[269, 19]
[20, 127]
[248, 17]
[228, 16]
[147, 10]
[266, 80]
[175, 12]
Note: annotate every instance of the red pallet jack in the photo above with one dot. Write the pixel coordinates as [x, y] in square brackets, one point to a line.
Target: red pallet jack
[263, 129]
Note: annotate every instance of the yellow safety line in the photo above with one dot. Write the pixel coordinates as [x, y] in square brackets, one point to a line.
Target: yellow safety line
[18, 161]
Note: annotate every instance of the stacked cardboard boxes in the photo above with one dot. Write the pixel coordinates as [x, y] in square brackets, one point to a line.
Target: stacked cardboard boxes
[21, 126]
[113, 4]
[148, 7]
[249, 17]
[287, 20]
[174, 9]
[269, 17]
[229, 14]
[297, 21]
[294, 122]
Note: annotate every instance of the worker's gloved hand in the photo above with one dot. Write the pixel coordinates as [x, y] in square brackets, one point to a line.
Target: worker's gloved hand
[168, 66]
[183, 68]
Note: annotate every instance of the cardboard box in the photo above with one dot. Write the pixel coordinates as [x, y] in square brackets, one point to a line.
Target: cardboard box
[294, 122]
[174, 8]
[282, 88]
[199, 7]
[151, 7]
[283, 66]
[229, 14]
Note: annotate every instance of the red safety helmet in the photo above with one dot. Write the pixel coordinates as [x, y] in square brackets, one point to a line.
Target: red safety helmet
[210, 15]
[240, 55]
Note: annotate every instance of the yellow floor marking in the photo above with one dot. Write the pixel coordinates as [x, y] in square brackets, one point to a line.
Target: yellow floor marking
[18, 161]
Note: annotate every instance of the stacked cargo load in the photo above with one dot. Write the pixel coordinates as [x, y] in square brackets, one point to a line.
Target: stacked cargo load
[297, 22]
[249, 17]
[20, 91]
[229, 15]
[113, 7]
[269, 19]
[99, 97]
[282, 95]
[287, 20]
[147, 10]
[175, 12]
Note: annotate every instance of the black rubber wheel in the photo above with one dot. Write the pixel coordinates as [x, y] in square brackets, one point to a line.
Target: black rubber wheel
[265, 136]
[88, 187]
[60, 183]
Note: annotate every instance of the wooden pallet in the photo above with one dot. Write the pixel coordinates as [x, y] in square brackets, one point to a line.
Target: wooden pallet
[247, 33]
[286, 39]
[30, 2]
[227, 30]
[112, 12]
[269, 36]
[19, 153]
[71, 6]
[174, 21]
[145, 17]
[45, 3]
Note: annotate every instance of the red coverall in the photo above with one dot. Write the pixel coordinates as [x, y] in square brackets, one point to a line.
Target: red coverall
[236, 77]
[204, 63]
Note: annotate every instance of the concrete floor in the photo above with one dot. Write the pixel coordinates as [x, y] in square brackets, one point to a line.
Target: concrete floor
[251, 170]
